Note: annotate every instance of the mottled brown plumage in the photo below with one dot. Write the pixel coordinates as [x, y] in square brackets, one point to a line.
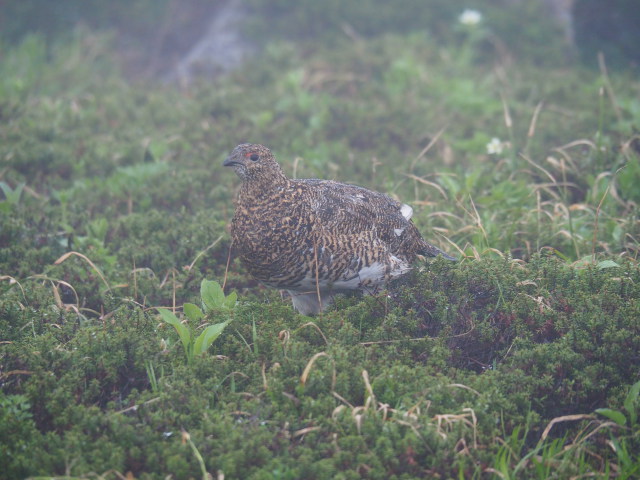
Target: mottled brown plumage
[316, 238]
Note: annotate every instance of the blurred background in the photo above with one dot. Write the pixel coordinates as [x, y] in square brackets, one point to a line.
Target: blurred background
[172, 39]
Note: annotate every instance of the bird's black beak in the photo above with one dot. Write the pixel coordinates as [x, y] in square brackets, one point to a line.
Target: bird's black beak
[230, 161]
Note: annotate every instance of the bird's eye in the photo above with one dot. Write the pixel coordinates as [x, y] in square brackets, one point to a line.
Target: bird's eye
[254, 157]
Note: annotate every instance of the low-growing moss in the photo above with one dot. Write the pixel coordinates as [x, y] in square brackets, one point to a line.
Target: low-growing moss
[371, 396]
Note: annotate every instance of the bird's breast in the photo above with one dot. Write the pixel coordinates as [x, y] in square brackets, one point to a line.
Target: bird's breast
[263, 237]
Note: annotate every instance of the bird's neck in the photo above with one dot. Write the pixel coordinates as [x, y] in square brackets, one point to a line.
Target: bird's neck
[255, 189]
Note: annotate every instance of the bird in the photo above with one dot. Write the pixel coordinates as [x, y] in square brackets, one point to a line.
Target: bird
[317, 238]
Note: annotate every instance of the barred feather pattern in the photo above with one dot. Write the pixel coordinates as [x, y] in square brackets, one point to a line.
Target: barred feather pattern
[316, 238]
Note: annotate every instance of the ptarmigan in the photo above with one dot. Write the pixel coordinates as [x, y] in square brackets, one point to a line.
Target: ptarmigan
[316, 238]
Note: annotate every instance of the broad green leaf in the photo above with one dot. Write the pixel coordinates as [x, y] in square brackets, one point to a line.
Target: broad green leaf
[6, 189]
[607, 264]
[212, 294]
[231, 300]
[208, 336]
[12, 195]
[183, 332]
[614, 415]
[631, 402]
[168, 316]
[192, 311]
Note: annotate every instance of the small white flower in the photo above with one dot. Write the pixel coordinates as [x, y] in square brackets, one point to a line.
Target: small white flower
[495, 146]
[470, 17]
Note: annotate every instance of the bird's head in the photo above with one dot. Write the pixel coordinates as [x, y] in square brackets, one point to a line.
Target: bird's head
[254, 162]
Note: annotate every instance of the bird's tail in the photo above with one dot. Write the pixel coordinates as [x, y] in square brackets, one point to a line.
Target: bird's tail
[429, 250]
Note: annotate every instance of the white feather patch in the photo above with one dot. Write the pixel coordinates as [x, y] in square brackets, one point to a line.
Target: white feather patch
[398, 266]
[406, 211]
[373, 272]
[372, 275]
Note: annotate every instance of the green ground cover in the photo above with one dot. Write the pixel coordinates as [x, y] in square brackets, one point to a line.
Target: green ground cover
[519, 361]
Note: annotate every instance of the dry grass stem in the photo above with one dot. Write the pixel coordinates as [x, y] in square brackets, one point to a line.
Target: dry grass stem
[607, 85]
[307, 370]
[505, 108]
[428, 183]
[565, 418]
[460, 385]
[304, 431]
[13, 281]
[478, 220]
[534, 120]
[424, 151]
[226, 268]
[265, 384]
[312, 324]
[215, 242]
[86, 259]
[367, 384]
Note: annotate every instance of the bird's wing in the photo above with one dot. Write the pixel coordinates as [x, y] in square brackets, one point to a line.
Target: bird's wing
[350, 209]
[353, 211]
